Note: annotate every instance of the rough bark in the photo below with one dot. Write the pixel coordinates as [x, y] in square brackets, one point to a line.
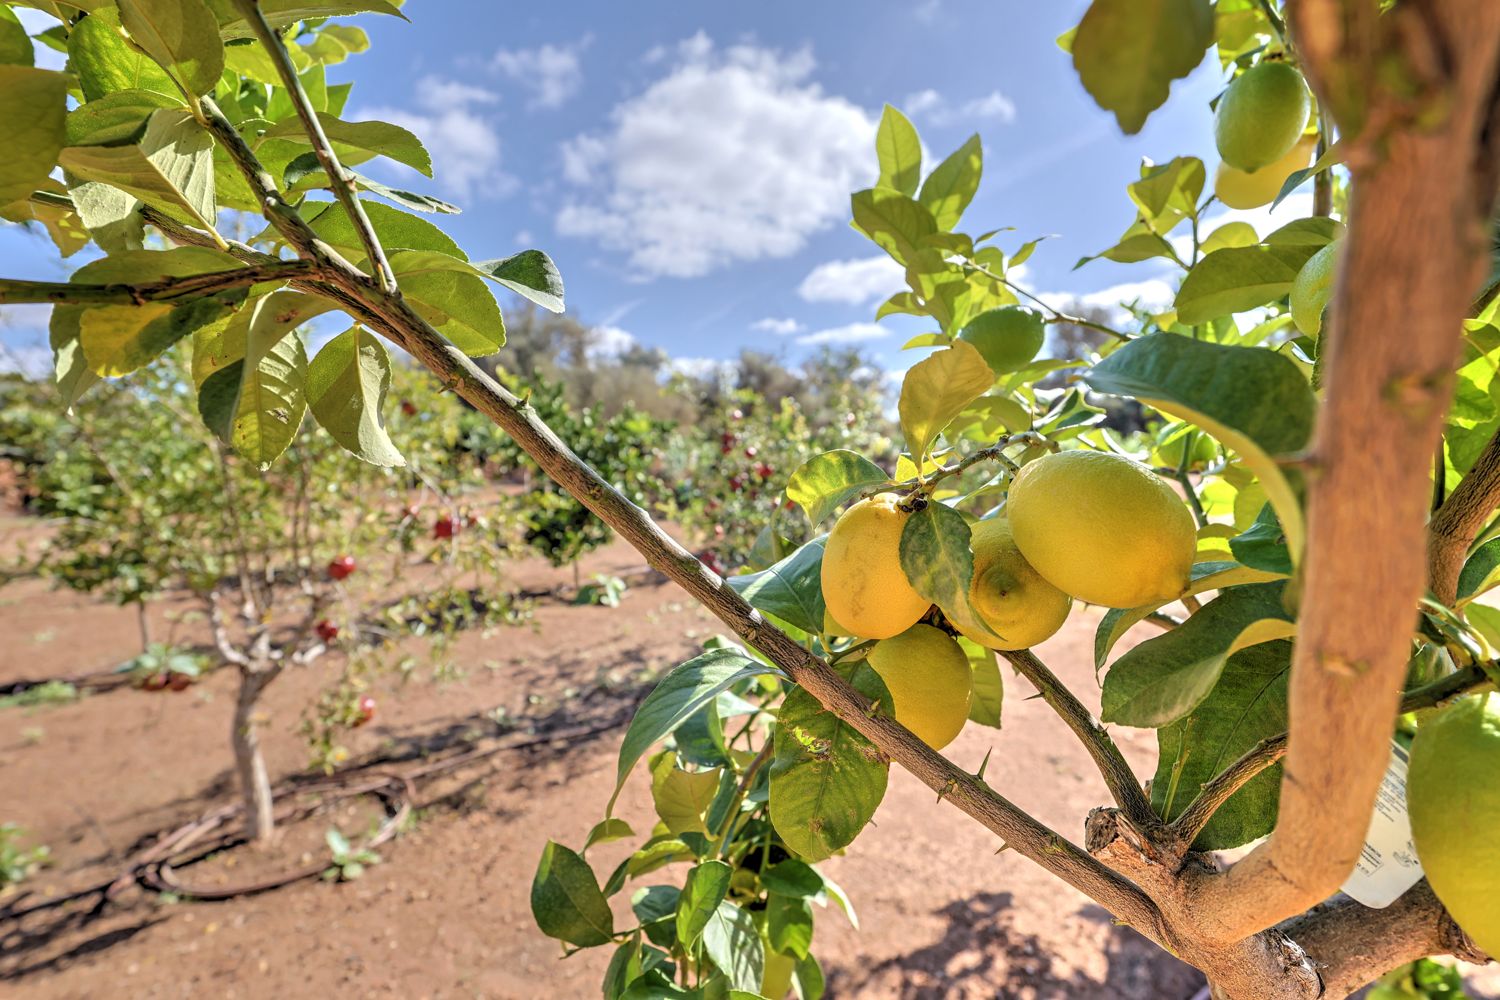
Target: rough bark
[1457, 522]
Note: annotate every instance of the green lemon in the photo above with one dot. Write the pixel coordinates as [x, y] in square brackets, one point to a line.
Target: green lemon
[1454, 802]
[1313, 288]
[1008, 337]
[1261, 116]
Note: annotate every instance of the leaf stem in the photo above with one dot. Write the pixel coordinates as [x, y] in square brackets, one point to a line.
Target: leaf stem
[339, 179]
[14, 291]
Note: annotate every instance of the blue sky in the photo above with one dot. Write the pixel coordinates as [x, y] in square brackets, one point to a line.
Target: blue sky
[688, 165]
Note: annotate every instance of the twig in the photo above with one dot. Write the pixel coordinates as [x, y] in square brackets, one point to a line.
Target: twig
[338, 178]
[1058, 316]
[14, 291]
[1453, 528]
[1268, 751]
[1118, 777]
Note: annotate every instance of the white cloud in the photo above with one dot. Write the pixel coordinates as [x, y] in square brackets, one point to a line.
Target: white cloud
[856, 282]
[611, 342]
[732, 155]
[1152, 294]
[552, 73]
[931, 106]
[780, 327]
[702, 368]
[853, 333]
[465, 147]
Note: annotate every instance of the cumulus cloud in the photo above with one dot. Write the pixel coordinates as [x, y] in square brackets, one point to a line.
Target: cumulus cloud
[855, 282]
[781, 327]
[1152, 294]
[465, 147]
[611, 342]
[853, 333]
[552, 73]
[933, 107]
[732, 155]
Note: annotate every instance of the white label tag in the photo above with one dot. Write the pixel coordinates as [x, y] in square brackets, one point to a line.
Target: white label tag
[1388, 865]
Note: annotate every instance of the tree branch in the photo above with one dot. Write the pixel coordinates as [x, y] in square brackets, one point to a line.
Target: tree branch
[1415, 252]
[338, 178]
[1121, 781]
[1351, 944]
[391, 316]
[14, 291]
[1458, 521]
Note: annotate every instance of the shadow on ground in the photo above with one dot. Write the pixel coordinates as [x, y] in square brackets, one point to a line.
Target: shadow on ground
[982, 954]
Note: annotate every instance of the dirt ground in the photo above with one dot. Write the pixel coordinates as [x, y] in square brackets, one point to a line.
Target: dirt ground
[446, 913]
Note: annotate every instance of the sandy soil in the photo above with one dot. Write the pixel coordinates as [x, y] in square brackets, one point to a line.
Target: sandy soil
[446, 913]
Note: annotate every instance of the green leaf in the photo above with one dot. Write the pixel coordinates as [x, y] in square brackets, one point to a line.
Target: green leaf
[116, 340]
[15, 45]
[792, 589]
[1137, 244]
[346, 387]
[789, 924]
[356, 142]
[733, 943]
[397, 230]
[1128, 52]
[705, 888]
[253, 331]
[682, 798]
[1237, 279]
[607, 830]
[106, 63]
[793, 878]
[172, 168]
[1263, 545]
[115, 118]
[899, 151]
[458, 304]
[937, 389]
[810, 982]
[1254, 401]
[681, 693]
[256, 406]
[181, 35]
[950, 187]
[1169, 675]
[826, 779]
[70, 370]
[1246, 706]
[893, 221]
[566, 902]
[1230, 234]
[34, 108]
[281, 13]
[939, 563]
[989, 688]
[1206, 576]
[1170, 190]
[530, 274]
[824, 483]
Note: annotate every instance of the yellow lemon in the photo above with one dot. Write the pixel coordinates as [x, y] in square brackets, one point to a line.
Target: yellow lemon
[1454, 801]
[1261, 115]
[1102, 528]
[1312, 289]
[864, 589]
[1008, 594]
[1252, 189]
[930, 682]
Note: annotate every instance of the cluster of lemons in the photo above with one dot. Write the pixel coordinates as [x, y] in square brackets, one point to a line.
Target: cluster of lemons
[1077, 524]
[1259, 129]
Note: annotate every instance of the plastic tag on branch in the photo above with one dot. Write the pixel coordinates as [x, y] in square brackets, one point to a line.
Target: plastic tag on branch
[1388, 865]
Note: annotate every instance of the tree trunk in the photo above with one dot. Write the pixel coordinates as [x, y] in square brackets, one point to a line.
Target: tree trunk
[143, 622]
[255, 786]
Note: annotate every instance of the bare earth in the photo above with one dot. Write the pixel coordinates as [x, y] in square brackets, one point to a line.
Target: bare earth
[446, 914]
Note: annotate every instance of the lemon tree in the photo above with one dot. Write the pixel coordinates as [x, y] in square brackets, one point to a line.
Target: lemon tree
[1303, 536]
